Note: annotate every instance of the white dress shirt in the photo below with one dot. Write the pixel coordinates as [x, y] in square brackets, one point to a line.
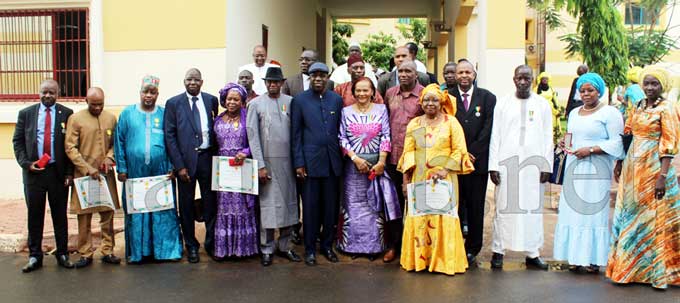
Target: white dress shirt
[205, 130]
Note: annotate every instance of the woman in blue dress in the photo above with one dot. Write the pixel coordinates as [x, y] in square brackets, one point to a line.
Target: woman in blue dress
[582, 230]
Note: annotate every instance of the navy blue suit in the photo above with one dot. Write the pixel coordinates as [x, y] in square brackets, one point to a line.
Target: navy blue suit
[315, 146]
[182, 141]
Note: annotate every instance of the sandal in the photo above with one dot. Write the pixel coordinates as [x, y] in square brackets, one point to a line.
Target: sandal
[577, 269]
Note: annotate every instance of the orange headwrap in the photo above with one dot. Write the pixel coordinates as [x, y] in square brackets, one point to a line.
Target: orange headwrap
[445, 99]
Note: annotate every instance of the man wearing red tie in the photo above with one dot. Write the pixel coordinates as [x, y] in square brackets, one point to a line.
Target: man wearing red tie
[47, 172]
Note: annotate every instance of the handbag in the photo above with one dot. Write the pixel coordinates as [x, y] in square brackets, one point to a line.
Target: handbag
[559, 165]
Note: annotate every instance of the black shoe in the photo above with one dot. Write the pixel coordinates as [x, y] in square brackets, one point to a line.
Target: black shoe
[33, 264]
[310, 259]
[192, 256]
[497, 260]
[266, 259]
[472, 260]
[330, 256]
[290, 255]
[295, 237]
[63, 261]
[111, 259]
[83, 262]
[536, 263]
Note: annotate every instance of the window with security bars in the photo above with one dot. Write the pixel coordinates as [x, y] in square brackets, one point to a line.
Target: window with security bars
[44, 44]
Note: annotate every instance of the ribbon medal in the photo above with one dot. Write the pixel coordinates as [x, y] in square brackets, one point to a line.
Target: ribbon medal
[477, 108]
[283, 108]
[531, 115]
[157, 122]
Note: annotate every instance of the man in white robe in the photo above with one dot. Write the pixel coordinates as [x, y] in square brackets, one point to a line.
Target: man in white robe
[520, 162]
[341, 74]
[258, 68]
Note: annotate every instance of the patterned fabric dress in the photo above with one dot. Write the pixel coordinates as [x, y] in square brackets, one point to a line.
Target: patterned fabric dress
[366, 134]
[434, 242]
[646, 231]
[236, 225]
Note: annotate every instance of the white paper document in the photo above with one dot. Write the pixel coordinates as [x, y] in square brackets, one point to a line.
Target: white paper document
[93, 193]
[430, 198]
[150, 194]
[238, 179]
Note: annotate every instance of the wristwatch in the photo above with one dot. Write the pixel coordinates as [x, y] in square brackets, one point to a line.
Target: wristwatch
[591, 150]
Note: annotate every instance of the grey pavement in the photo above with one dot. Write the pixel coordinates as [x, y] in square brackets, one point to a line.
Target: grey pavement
[347, 281]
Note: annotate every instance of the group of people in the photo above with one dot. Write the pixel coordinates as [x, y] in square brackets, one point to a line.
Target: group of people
[337, 158]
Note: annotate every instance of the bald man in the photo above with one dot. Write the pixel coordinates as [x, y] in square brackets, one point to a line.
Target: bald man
[258, 68]
[89, 145]
[38, 132]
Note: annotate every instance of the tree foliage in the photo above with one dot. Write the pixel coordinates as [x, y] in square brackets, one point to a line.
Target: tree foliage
[340, 45]
[378, 49]
[415, 32]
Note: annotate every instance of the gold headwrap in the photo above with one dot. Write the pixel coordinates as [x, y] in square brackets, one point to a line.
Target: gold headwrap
[633, 74]
[544, 75]
[445, 99]
[660, 74]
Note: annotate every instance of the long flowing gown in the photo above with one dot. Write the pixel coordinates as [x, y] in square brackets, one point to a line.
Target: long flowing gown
[366, 134]
[140, 152]
[646, 231]
[582, 230]
[434, 242]
[236, 225]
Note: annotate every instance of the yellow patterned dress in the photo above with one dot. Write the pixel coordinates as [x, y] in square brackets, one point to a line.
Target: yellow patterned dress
[646, 231]
[434, 242]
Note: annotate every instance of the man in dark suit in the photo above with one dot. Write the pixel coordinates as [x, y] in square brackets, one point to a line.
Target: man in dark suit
[40, 131]
[300, 82]
[189, 140]
[315, 120]
[389, 80]
[475, 107]
[574, 100]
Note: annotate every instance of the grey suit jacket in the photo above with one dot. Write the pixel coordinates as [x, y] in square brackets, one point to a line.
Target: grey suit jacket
[293, 85]
[389, 80]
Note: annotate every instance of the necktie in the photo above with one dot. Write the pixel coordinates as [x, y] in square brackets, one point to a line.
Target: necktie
[466, 103]
[47, 140]
[197, 116]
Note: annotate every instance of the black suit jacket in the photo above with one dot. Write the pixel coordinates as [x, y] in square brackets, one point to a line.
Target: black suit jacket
[477, 128]
[293, 85]
[388, 80]
[571, 103]
[182, 139]
[25, 140]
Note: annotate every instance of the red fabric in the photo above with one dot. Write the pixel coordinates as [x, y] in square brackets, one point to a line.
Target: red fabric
[353, 58]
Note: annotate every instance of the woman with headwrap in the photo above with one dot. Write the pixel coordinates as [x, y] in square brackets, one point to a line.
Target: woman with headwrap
[633, 93]
[368, 202]
[582, 230]
[646, 225]
[235, 224]
[434, 149]
[545, 89]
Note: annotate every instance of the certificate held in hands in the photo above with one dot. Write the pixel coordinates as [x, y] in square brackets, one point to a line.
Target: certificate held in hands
[150, 194]
[432, 198]
[93, 193]
[238, 179]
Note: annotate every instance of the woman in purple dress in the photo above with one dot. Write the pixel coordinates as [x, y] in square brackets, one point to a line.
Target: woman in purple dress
[236, 226]
[369, 198]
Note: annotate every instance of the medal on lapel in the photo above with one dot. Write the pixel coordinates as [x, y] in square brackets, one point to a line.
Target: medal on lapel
[283, 108]
[157, 122]
[477, 113]
[63, 128]
[531, 115]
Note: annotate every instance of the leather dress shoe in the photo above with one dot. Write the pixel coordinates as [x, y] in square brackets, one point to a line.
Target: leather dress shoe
[83, 262]
[111, 259]
[192, 256]
[472, 260]
[497, 260]
[310, 259]
[536, 263]
[266, 259]
[33, 264]
[389, 256]
[290, 255]
[330, 256]
[63, 261]
[295, 237]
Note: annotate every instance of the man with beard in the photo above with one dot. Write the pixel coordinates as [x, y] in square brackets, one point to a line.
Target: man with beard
[40, 131]
[317, 160]
[298, 83]
[357, 68]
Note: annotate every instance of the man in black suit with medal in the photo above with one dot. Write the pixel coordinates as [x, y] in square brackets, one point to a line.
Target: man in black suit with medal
[475, 107]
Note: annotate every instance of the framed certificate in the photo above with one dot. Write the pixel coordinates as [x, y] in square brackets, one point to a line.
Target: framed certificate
[238, 179]
[430, 198]
[567, 141]
[93, 193]
[150, 194]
